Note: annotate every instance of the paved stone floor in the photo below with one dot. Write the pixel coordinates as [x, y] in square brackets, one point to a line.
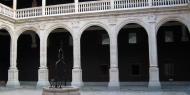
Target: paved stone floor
[105, 91]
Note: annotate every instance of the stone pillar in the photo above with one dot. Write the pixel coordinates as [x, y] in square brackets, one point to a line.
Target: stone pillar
[150, 3]
[112, 4]
[14, 7]
[76, 72]
[13, 71]
[43, 7]
[114, 72]
[43, 71]
[153, 58]
[76, 6]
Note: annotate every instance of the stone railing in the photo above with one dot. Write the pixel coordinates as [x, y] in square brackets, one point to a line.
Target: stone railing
[94, 6]
[120, 4]
[4, 10]
[169, 2]
[60, 9]
[90, 6]
[29, 12]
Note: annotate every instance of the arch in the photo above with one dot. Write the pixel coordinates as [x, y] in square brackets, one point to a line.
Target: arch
[100, 24]
[5, 41]
[60, 38]
[28, 57]
[171, 18]
[133, 54]
[173, 49]
[56, 26]
[30, 28]
[130, 21]
[95, 54]
[8, 29]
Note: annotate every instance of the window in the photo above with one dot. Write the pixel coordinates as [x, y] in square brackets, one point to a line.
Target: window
[169, 36]
[132, 38]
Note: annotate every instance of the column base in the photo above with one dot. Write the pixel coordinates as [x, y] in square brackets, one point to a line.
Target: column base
[154, 82]
[189, 4]
[114, 78]
[42, 84]
[154, 85]
[77, 77]
[13, 84]
[13, 81]
[43, 78]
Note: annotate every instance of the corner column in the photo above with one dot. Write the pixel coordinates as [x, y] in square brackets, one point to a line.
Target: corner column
[154, 81]
[150, 3]
[14, 7]
[13, 81]
[114, 72]
[43, 70]
[43, 7]
[76, 71]
[112, 4]
[76, 6]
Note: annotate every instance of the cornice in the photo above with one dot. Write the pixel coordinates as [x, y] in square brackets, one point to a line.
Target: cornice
[85, 15]
[6, 18]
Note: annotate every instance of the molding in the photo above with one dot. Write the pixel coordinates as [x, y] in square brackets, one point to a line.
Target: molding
[128, 12]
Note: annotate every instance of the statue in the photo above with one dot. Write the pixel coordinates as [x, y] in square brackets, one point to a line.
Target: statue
[59, 75]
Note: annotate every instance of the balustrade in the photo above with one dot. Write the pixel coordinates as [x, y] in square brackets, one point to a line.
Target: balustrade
[94, 6]
[29, 12]
[90, 6]
[120, 4]
[60, 9]
[4, 10]
[168, 2]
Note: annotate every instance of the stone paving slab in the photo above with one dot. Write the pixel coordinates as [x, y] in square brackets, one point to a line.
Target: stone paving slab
[100, 91]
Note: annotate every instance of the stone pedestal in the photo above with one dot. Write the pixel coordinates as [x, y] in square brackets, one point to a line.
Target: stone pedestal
[114, 78]
[154, 82]
[43, 78]
[13, 78]
[77, 77]
[61, 91]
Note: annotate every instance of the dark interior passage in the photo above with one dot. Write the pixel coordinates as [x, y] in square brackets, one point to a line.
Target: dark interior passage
[28, 57]
[173, 41]
[4, 54]
[60, 38]
[133, 54]
[95, 54]
[37, 3]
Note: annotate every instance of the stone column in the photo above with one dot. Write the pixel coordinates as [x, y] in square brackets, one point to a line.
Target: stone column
[150, 3]
[112, 4]
[76, 72]
[43, 71]
[153, 58]
[76, 6]
[14, 7]
[114, 72]
[43, 7]
[13, 71]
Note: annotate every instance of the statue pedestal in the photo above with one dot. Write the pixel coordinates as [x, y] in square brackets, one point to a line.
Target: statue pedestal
[61, 91]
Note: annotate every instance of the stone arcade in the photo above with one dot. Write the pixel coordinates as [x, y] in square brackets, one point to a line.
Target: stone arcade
[106, 42]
